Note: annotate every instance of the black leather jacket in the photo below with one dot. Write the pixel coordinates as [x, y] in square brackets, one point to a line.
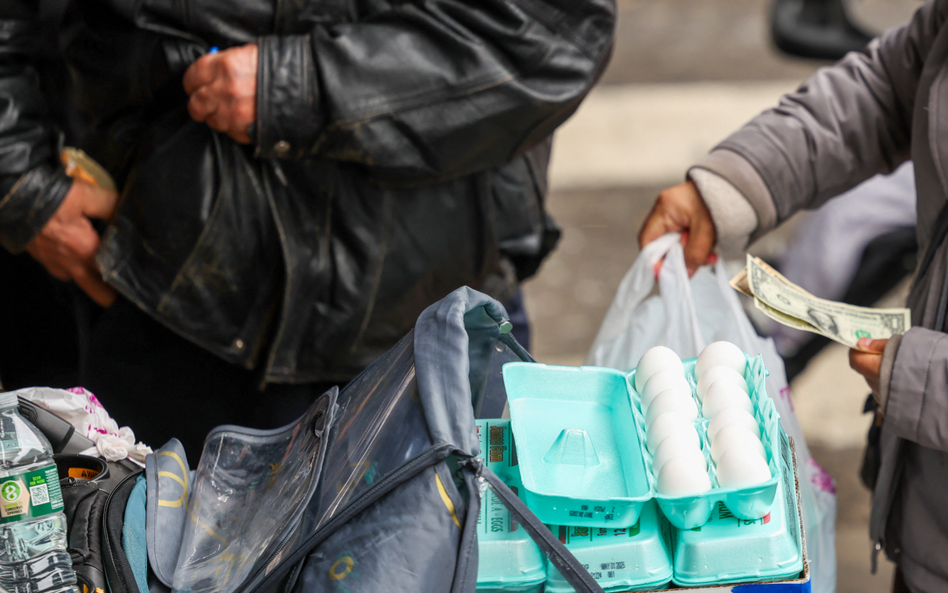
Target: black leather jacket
[399, 152]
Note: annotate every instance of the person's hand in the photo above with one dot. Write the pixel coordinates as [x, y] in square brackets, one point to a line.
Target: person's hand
[681, 209]
[67, 244]
[867, 361]
[223, 90]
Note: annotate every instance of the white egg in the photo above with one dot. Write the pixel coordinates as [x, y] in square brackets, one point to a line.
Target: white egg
[672, 448]
[732, 416]
[715, 374]
[733, 436]
[656, 359]
[724, 394]
[741, 467]
[683, 476]
[720, 354]
[672, 400]
[659, 382]
[670, 425]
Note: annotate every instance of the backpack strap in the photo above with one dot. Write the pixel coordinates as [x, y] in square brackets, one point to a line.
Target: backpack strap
[552, 548]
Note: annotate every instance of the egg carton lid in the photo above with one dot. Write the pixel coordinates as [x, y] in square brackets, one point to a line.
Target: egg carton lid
[579, 463]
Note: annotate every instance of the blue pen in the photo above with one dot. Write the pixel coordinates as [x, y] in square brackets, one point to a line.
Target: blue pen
[213, 50]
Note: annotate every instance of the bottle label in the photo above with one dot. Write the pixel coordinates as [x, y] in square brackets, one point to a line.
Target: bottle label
[30, 495]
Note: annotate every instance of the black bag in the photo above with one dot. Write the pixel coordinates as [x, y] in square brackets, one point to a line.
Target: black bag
[94, 496]
[95, 493]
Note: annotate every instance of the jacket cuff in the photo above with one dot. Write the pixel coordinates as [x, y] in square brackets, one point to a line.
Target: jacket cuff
[742, 175]
[733, 216]
[917, 368]
[29, 205]
[288, 111]
[885, 369]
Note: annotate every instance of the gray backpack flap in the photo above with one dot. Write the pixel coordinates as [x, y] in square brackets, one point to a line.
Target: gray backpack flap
[374, 489]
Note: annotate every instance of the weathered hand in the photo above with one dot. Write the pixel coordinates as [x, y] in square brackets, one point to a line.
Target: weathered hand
[867, 362]
[681, 209]
[223, 90]
[67, 245]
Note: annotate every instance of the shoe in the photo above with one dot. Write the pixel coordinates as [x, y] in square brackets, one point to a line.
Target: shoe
[820, 29]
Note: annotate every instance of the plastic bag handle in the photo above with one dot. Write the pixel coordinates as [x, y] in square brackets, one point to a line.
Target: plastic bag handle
[574, 572]
[675, 287]
[640, 276]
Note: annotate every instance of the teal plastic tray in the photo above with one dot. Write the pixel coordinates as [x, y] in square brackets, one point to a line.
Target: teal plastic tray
[730, 550]
[748, 503]
[508, 559]
[579, 461]
[637, 557]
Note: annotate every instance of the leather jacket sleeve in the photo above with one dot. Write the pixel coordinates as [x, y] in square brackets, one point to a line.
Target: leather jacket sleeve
[422, 91]
[32, 183]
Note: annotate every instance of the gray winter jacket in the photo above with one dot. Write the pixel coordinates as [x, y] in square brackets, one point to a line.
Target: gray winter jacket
[862, 116]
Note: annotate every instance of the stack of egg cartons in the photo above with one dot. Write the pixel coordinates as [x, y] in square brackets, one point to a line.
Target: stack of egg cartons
[730, 494]
[508, 559]
[670, 472]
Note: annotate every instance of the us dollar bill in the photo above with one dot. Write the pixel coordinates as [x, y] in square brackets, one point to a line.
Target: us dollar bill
[784, 301]
[739, 283]
[783, 318]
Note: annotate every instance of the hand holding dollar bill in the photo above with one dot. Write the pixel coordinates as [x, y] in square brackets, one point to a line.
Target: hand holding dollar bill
[784, 301]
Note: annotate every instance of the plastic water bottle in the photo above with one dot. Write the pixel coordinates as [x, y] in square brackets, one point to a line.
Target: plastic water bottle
[33, 556]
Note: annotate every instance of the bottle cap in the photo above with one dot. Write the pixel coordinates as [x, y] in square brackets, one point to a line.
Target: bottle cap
[8, 400]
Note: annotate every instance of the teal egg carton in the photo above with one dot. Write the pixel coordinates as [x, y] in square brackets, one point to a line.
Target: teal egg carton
[637, 557]
[749, 502]
[508, 559]
[728, 549]
[580, 463]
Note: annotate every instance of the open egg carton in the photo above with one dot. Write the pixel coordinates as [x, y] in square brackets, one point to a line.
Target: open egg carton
[583, 461]
[747, 502]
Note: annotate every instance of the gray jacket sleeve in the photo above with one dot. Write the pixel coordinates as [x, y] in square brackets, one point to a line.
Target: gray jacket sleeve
[843, 125]
[916, 406]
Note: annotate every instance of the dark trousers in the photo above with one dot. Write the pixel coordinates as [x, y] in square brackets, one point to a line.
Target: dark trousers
[163, 386]
[38, 342]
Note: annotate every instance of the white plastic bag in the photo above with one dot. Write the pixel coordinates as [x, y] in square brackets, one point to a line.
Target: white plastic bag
[82, 409]
[685, 316]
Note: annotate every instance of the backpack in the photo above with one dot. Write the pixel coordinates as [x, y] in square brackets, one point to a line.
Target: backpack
[377, 487]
